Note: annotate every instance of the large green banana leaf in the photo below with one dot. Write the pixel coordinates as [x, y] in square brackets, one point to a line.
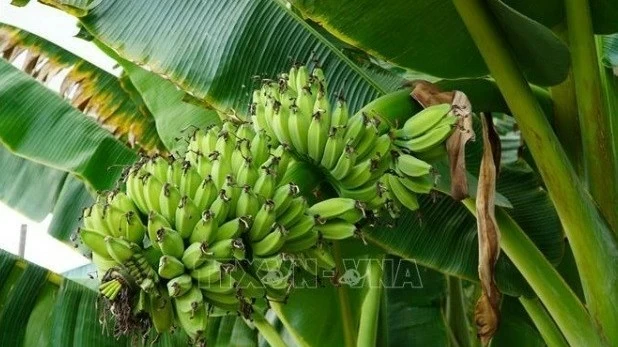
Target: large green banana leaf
[35, 190]
[88, 88]
[409, 291]
[29, 187]
[174, 117]
[429, 36]
[42, 127]
[219, 45]
[41, 308]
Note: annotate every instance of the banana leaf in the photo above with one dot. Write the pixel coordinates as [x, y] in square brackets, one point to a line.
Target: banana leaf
[95, 92]
[38, 307]
[42, 127]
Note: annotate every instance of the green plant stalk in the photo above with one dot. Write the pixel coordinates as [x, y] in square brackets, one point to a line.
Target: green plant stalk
[456, 312]
[566, 122]
[370, 309]
[593, 116]
[594, 244]
[561, 302]
[298, 338]
[267, 331]
[347, 320]
[543, 322]
[566, 118]
[609, 83]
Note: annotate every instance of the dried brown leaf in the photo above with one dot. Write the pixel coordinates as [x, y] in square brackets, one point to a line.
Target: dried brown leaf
[428, 94]
[487, 312]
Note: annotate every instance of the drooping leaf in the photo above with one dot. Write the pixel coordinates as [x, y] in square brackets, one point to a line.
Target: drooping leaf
[72, 199]
[429, 36]
[40, 126]
[88, 88]
[28, 187]
[220, 45]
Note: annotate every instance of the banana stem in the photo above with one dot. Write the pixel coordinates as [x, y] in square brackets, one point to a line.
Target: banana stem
[456, 313]
[370, 310]
[593, 117]
[566, 119]
[594, 245]
[267, 331]
[561, 302]
[543, 322]
[347, 320]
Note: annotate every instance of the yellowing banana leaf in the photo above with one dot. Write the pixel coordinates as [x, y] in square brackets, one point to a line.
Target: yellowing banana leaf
[95, 92]
[219, 45]
[429, 36]
[40, 126]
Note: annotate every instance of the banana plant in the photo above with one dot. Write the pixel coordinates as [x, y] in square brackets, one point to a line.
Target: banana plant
[245, 135]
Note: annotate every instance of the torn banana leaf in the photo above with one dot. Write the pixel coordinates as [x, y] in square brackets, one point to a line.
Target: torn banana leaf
[95, 92]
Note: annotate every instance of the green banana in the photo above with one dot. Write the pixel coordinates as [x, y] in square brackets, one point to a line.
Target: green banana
[337, 230]
[233, 228]
[190, 180]
[206, 229]
[402, 194]
[283, 197]
[333, 149]
[248, 203]
[208, 273]
[308, 240]
[301, 228]
[205, 194]
[170, 267]
[344, 164]
[120, 250]
[425, 142]
[294, 212]
[169, 199]
[271, 243]
[121, 201]
[263, 221]
[340, 115]
[187, 216]
[322, 256]
[221, 206]
[411, 166]
[420, 185]
[161, 312]
[359, 175]
[265, 184]
[178, 286]
[317, 135]
[423, 121]
[170, 242]
[95, 241]
[343, 208]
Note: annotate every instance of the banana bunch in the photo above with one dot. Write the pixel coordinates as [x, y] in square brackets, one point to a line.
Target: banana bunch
[425, 133]
[221, 227]
[213, 231]
[354, 150]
